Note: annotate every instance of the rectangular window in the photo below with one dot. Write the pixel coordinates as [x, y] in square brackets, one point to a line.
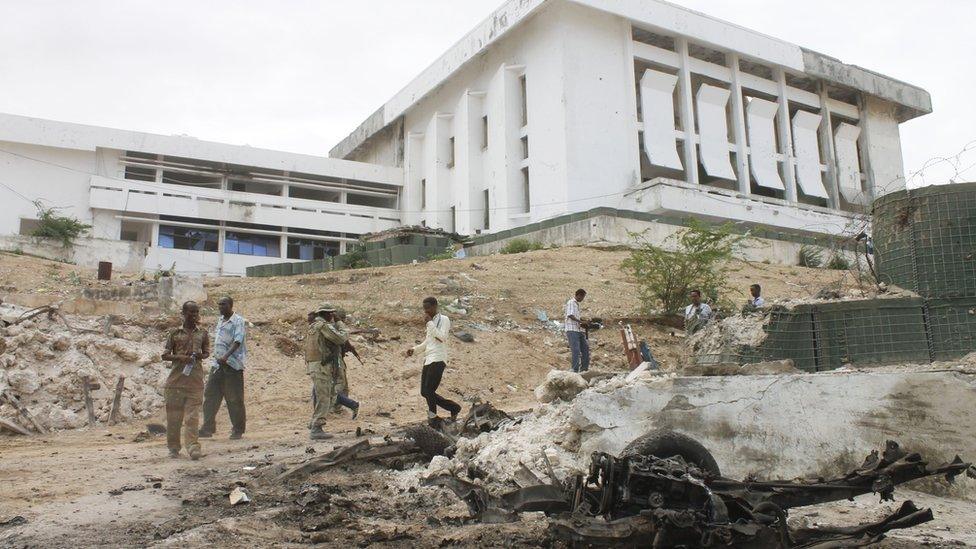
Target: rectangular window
[525, 190]
[453, 219]
[245, 186]
[450, 153]
[187, 238]
[484, 132]
[525, 107]
[137, 173]
[525, 147]
[423, 194]
[306, 249]
[321, 195]
[252, 244]
[486, 214]
[371, 201]
[191, 179]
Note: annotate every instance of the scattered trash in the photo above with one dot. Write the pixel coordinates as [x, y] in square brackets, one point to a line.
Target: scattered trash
[464, 336]
[239, 496]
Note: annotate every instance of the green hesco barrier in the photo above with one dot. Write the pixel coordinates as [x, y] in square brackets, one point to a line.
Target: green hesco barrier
[953, 327]
[826, 336]
[925, 239]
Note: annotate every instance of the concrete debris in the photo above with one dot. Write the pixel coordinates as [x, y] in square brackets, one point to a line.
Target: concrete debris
[463, 336]
[239, 496]
[560, 385]
[46, 361]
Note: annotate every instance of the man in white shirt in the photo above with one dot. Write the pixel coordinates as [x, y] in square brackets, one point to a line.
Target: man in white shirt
[756, 300]
[434, 348]
[697, 314]
[579, 347]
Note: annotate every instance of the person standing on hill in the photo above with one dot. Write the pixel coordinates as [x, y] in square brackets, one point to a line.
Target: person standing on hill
[186, 348]
[226, 380]
[579, 346]
[434, 348]
[698, 314]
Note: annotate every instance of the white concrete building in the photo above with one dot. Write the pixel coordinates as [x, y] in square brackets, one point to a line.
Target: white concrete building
[547, 108]
[206, 207]
[551, 107]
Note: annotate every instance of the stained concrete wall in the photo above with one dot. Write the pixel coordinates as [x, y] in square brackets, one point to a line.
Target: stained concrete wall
[790, 425]
[85, 252]
[617, 231]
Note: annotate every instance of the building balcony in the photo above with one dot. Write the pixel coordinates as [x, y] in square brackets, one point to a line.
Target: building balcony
[151, 198]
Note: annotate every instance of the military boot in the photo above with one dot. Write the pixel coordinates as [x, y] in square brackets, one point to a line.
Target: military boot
[318, 434]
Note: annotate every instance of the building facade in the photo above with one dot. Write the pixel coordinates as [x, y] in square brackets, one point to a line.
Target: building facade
[207, 208]
[552, 107]
[547, 108]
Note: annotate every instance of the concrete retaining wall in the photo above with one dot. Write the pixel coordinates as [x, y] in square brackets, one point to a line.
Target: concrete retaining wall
[614, 230]
[85, 252]
[790, 425]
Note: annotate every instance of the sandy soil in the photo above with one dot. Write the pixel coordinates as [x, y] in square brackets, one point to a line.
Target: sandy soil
[60, 482]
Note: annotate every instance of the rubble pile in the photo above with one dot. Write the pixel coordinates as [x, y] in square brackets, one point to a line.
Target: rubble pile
[43, 362]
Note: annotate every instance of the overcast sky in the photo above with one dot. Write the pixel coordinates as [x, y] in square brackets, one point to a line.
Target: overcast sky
[299, 75]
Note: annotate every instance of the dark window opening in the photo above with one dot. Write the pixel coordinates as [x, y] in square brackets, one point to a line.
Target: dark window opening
[308, 250]
[187, 238]
[137, 173]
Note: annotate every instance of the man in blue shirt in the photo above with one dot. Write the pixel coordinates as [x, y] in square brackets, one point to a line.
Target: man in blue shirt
[226, 380]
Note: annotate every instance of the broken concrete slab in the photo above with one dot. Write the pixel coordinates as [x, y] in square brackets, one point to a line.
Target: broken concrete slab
[782, 425]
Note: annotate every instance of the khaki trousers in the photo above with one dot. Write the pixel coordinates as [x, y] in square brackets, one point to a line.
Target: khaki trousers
[324, 382]
[183, 410]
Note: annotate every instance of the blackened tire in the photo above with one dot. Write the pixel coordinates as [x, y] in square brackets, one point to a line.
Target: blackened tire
[663, 444]
[430, 441]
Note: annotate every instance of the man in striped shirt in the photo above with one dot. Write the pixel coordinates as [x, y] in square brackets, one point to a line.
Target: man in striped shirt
[576, 333]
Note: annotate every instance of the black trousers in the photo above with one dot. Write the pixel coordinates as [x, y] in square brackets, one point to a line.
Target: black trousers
[430, 380]
[227, 384]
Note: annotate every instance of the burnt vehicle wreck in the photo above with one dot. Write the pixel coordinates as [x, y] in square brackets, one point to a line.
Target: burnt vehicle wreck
[666, 490]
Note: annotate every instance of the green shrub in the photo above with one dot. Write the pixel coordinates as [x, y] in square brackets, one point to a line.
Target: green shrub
[520, 245]
[50, 225]
[665, 277]
[448, 253]
[356, 257]
[838, 263]
[811, 256]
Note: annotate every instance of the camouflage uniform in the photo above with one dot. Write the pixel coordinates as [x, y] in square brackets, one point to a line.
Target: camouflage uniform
[323, 346]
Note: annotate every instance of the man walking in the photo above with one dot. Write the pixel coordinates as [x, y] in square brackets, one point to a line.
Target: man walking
[226, 380]
[434, 348]
[323, 347]
[342, 380]
[579, 346]
[186, 348]
[697, 314]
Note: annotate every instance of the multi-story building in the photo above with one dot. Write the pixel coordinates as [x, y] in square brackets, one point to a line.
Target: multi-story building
[205, 207]
[551, 107]
[547, 108]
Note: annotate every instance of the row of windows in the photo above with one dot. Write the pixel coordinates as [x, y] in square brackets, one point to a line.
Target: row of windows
[206, 240]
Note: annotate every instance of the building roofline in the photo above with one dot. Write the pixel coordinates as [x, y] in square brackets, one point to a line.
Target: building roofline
[67, 135]
[656, 14]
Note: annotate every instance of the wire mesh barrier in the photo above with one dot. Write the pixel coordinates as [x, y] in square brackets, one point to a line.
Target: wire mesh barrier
[925, 242]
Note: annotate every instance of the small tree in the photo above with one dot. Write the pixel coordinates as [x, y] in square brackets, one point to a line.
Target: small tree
[50, 225]
[356, 257]
[665, 277]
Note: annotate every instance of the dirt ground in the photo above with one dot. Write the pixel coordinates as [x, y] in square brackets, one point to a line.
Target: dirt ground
[60, 483]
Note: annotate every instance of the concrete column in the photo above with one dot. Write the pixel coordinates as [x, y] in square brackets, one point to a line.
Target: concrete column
[786, 137]
[826, 136]
[687, 111]
[739, 123]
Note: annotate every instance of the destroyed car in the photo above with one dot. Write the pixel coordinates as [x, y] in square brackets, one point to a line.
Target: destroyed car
[666, 490]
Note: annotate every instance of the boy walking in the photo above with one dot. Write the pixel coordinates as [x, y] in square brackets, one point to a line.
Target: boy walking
[434, 348]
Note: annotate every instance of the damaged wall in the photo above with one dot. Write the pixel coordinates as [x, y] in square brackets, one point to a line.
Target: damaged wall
[84, 252]
[788, 425]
